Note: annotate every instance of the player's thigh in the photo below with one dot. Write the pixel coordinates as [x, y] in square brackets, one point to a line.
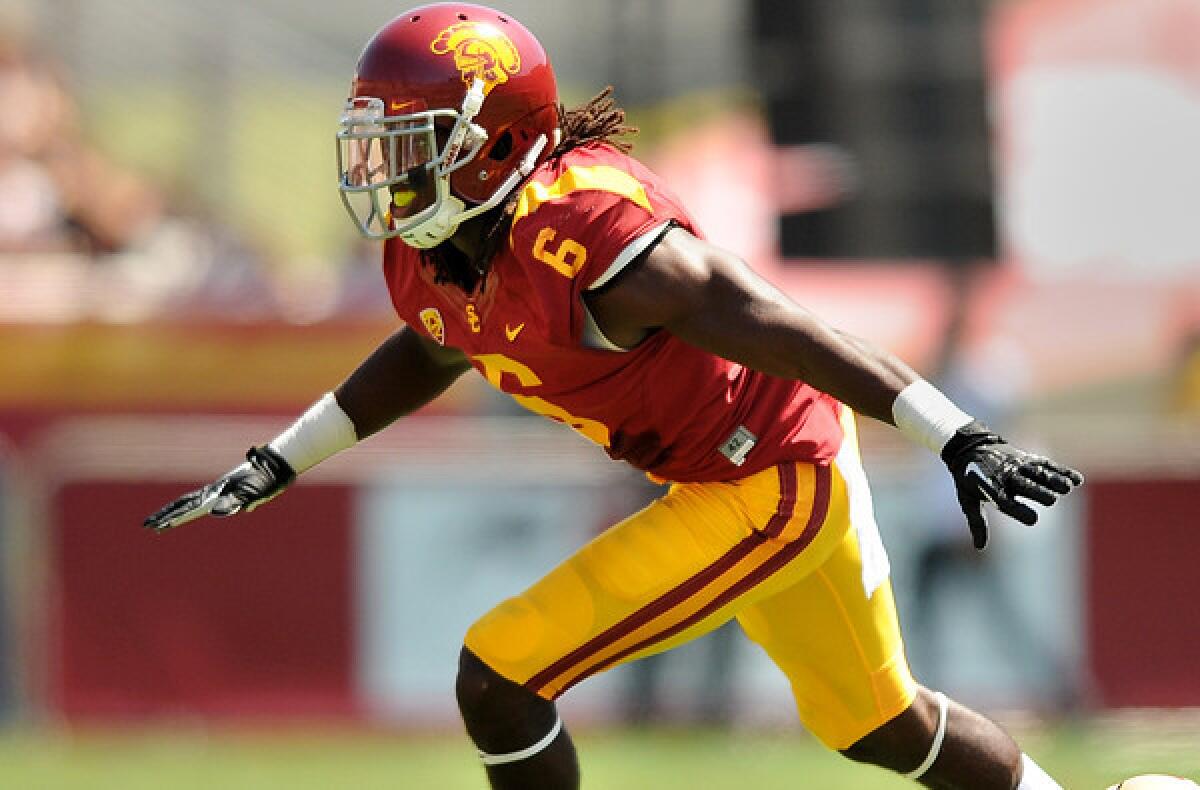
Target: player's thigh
[841, 649]
[677, 569]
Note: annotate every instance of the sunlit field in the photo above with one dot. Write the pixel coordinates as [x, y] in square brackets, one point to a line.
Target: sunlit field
[1080, 756]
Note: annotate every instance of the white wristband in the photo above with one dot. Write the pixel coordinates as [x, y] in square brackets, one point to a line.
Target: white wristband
[925, 415]
[322, 431]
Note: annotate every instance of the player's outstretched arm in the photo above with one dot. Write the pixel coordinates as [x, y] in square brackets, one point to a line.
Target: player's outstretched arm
[403, 374]
[708, 297]
[407, 371]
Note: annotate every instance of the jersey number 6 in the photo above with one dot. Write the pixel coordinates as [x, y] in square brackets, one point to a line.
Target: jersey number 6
[497, 366]
[567, 260]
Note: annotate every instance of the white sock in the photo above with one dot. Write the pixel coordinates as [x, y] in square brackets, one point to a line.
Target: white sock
[1034, 778]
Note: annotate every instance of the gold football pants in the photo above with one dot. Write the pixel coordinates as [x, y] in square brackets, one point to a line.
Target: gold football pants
[777, 550]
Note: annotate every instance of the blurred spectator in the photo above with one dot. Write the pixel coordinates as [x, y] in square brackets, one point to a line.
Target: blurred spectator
[109, 209]
[34, 112]
[56, 193]
[988, 382]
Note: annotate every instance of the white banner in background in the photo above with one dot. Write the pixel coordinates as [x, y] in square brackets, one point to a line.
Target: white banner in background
[433, 558]
[1100, 136]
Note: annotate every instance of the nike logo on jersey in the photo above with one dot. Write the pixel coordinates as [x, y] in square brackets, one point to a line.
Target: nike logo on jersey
[511, 332]
[985, 485]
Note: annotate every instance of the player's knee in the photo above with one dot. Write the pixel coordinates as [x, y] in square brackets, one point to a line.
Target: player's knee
[475, 684]
[482, 691]
[904, 741]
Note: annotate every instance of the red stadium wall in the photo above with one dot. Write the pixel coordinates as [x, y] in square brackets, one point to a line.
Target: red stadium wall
[1143, 627]
[216, 621]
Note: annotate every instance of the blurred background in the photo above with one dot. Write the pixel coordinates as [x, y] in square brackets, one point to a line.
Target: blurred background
[1005, 193]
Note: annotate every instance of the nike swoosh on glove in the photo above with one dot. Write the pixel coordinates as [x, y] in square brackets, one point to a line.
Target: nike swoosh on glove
[260, 478]
[986, 468]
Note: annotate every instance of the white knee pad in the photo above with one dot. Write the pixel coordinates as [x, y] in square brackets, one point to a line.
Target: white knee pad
[939, 736]
[524, 754]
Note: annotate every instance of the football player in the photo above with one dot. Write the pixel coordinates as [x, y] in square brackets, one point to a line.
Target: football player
[523, 241]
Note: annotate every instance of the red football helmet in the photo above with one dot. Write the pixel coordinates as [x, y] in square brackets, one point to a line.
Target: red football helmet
[452, 106]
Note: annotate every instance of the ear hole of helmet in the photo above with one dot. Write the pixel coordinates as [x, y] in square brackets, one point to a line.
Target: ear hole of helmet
[502, 148]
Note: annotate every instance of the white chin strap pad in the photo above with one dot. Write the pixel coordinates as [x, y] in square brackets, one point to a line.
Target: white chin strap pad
[437, 228]
[524, 754]
[936, 749]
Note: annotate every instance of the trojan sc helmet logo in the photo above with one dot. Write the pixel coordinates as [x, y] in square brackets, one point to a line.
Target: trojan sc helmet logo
[481, 51]
[432, 320]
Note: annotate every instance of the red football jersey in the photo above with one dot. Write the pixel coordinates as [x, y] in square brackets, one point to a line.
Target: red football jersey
[666, 407]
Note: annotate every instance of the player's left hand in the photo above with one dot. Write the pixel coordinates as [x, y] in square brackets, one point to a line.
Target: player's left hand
[986, 468]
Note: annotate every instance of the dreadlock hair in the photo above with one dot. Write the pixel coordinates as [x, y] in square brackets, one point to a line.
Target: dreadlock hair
[598, 120]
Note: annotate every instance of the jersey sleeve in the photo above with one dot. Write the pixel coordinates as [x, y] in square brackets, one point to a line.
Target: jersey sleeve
[592, 219]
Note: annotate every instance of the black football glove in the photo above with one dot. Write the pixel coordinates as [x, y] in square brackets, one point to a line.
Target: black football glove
[986, 468]
[262, 476]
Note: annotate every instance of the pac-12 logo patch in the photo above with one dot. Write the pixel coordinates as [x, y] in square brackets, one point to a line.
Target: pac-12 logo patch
[481, 51]
[432, 320]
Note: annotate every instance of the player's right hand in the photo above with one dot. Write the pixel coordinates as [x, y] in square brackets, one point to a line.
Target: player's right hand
[261, 477]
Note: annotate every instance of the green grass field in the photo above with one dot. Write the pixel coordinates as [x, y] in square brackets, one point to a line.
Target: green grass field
[1082, 758]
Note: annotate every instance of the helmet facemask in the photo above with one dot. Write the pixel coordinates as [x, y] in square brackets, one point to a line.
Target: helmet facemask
[394, 170]
[394, 176]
